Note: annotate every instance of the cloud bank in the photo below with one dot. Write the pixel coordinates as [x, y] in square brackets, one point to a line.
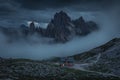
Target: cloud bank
[13, 13]
[44, 50]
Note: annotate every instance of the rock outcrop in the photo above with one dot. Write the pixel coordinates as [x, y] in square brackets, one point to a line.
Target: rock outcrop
[81, 26]
[84, 28]
[60, 27]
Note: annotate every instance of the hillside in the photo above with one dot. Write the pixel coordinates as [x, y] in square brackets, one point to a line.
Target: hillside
[105, 58]
[24, 69]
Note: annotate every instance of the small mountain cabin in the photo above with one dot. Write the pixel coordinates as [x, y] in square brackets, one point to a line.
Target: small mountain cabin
[67, 61]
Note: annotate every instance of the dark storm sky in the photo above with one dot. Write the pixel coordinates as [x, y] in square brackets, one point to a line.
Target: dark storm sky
[15, 12]
[20, 11]
[11, 5]
[43, 4]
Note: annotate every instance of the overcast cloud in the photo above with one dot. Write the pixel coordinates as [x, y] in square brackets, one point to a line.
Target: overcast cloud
[13, 13]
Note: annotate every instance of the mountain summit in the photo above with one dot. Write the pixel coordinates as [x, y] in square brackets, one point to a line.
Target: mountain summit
[61, 28]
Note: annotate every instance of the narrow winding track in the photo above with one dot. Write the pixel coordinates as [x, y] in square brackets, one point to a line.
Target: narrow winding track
[83, 66]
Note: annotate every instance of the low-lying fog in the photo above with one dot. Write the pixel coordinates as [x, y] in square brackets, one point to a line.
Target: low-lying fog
[108, 29]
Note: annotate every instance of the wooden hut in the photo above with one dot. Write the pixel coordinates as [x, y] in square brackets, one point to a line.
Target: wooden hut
[67, 61]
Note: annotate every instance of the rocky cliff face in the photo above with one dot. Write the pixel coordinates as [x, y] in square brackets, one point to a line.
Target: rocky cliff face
[61, 28]
[81, 26]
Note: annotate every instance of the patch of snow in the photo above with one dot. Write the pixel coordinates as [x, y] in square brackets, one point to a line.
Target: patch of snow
[43, 25]
[37, 24]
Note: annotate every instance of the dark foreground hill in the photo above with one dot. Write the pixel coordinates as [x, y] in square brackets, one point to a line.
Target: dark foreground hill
[104, 65]
[23, 69]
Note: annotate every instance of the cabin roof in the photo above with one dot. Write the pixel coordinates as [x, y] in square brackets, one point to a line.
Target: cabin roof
[67, 59]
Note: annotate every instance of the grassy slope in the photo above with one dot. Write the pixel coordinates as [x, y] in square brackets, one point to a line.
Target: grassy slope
[82, 56]
[68, 74]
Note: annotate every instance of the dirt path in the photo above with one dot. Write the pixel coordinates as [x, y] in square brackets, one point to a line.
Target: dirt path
[83, 67]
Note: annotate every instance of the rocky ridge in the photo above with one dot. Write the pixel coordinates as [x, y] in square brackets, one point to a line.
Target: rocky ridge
[109, 58]
[61, 28]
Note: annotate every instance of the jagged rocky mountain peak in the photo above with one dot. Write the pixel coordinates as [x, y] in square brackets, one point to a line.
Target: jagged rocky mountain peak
[61, 19]
[61, 14]
[61, 28]
[80, 21]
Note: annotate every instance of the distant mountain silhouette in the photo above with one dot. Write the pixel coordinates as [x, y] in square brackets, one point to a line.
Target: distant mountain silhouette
[61, 28]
